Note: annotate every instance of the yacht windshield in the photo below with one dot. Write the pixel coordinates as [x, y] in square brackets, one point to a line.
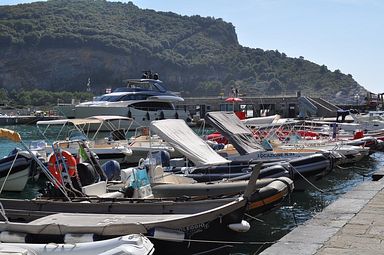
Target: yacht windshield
[110, 98]
[125, 97]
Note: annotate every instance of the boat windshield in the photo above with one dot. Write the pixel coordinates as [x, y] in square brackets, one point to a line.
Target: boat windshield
[110, 98]
[125, 97]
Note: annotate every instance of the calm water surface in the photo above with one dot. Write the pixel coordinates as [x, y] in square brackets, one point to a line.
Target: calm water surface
[300, 207]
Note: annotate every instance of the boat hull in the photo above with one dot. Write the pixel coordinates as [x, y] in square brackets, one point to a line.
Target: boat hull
[16, 178]
[125, 245]
[140, 117]
[188, 219]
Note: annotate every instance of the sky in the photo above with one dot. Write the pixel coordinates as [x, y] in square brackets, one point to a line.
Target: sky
[341, 34]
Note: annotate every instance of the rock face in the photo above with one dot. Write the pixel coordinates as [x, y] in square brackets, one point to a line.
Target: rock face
[62, 69]
[58, 45]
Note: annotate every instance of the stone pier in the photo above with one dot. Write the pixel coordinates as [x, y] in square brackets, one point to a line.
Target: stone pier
[353, 224]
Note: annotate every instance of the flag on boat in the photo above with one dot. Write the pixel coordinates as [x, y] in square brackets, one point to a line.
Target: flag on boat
[82, 155]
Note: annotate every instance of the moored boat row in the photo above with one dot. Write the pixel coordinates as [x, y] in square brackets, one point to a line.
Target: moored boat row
[163, 196]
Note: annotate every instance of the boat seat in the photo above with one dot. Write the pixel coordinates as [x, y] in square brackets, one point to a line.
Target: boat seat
[95, 189]
[115, 194]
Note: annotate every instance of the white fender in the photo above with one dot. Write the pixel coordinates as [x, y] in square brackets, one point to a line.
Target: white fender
[243, 226]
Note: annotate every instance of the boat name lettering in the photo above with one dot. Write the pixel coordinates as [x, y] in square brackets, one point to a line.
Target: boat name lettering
[276, 155]
[195, 227]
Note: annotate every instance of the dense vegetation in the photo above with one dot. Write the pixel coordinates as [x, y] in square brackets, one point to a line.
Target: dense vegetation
[37, 97]
[59, 44]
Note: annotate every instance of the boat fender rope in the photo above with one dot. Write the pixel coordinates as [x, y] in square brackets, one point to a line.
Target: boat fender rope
[308, 181]
[354, 169]
[219, 241]
[253, 218]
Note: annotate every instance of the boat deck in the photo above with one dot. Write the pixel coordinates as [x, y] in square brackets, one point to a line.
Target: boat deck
[119, 224]
[102, 224]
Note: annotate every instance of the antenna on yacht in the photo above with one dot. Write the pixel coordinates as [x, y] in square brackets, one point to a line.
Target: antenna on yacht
[149, 75]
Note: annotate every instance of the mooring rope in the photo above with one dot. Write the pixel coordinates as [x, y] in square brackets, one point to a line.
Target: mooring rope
[354, 168]
[216, 241]
[308, 181]
[213, 250]
[349, 168]
[253, 218]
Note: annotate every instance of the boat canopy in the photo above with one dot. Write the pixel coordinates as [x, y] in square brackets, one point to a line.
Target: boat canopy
[86, 126]
[182, 138]
[237, 133]
[69, 121]
[259, 121]
[110, 118]
[90, 120]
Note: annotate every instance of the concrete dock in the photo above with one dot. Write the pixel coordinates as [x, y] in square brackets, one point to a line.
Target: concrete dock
[24, 119]
[353, 224]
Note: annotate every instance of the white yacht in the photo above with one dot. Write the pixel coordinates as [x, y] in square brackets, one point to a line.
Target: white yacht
[143, 100]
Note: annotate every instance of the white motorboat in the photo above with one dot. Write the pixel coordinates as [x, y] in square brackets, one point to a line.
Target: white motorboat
[143, 142]
[15, 171]
[90, 130]
[350, 153]
[113, 145]
[244, 146]
[143, 100]
[372, 121]
[134, 244]
[15, 168]
[197, 151]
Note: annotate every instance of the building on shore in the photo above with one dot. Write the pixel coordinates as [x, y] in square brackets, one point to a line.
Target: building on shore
[289, 106]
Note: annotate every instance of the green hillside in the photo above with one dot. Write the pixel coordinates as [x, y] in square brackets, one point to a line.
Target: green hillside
[59, 44]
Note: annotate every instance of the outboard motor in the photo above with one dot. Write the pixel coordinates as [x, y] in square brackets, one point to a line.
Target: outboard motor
[218, 146]
[87, 174]
[162, 158]
[112, 170]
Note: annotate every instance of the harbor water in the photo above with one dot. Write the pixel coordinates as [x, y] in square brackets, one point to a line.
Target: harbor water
[266, 229]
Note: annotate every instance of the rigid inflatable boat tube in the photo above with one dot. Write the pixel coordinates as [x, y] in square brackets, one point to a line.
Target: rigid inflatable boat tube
[168, 234]
[129, 244]
[12, 237]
